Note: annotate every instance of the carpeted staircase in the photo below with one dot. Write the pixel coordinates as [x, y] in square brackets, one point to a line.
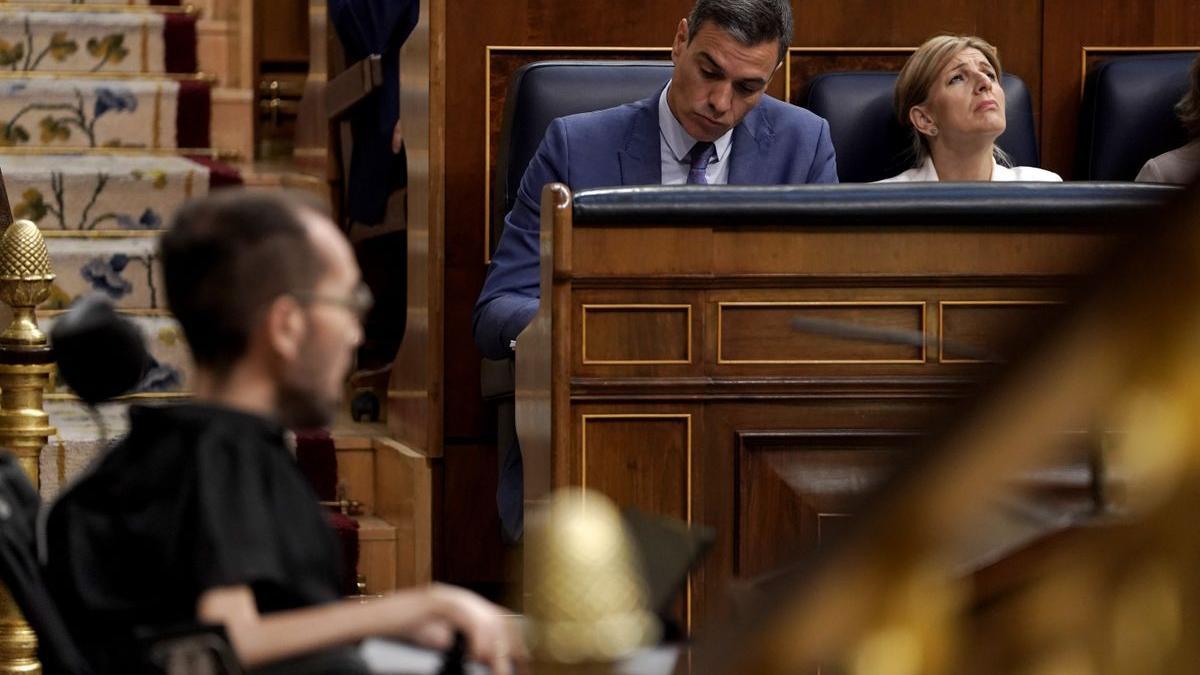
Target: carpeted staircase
[104, 132]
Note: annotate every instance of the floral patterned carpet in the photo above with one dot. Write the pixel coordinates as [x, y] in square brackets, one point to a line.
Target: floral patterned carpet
[96, 108]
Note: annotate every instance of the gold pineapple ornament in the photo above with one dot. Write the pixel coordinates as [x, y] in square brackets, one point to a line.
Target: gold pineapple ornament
[586, 596]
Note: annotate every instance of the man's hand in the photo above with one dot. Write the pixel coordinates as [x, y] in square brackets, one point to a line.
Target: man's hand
[493, 638]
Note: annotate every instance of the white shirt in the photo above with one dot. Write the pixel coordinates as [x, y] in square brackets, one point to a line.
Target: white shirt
[926, 172]
[675, 144]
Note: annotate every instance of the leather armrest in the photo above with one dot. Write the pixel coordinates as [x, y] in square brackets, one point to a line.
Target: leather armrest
[353, 85]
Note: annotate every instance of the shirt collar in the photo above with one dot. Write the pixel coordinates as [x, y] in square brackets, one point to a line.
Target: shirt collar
[678, 140]
[927, 172]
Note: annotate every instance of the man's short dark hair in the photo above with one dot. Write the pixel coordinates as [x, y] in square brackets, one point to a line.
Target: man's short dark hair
[225, 258]
[750, 22]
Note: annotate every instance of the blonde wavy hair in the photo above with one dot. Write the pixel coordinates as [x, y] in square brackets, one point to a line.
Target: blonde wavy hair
[919, 74]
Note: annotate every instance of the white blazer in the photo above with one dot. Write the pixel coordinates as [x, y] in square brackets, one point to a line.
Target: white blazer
[926, 172]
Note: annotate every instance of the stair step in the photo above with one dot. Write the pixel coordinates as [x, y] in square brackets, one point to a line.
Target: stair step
[125, 271]
[75, 39]
[112, 42]
[54, 112]
[111, 5]
[100, 195]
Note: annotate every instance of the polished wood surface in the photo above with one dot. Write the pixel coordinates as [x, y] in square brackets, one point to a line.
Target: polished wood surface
[415, 390]
[797, 489]
[281, 36]
[767, 434]
[406, 492]
[312, 121]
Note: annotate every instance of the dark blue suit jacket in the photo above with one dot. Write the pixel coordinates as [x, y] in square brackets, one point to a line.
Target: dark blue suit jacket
[776, 144]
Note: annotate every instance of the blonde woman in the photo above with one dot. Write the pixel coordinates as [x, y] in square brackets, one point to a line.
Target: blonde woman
[949, 95]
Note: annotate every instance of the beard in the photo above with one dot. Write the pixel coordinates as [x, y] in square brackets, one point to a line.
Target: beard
[302, 408]
[301, 402]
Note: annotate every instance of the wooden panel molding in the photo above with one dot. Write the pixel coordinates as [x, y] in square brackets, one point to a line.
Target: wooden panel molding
[643, 460]
[985, 326]
[762, 332]
[796, 489]
[1090, 56]
[805, 63]
[636, 334]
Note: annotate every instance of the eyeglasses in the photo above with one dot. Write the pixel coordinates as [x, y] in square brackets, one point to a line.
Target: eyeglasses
[359, 302]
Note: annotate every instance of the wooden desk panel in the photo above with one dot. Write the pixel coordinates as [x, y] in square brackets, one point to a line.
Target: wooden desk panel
[674, 380]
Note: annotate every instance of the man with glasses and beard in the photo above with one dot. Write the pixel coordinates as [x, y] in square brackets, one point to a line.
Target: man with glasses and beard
[200, 514]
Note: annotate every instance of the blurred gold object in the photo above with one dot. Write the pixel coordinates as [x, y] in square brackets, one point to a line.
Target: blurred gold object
[18, 643]
[587, 598]
[915, 632]
[26, 369]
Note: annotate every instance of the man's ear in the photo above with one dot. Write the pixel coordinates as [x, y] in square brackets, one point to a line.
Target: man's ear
[772, 76]
[921, 120]
[680, 43]
[285, 327]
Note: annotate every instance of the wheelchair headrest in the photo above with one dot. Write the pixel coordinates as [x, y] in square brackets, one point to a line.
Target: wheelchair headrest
[100, 354]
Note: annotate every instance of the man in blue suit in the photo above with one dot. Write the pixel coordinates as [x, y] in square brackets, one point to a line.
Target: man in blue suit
[711, 124]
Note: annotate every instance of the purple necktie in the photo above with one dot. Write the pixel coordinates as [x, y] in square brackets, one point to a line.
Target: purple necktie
[702, 153]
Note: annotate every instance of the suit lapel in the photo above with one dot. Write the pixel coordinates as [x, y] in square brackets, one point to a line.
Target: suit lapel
[641, 161]
[751, 144]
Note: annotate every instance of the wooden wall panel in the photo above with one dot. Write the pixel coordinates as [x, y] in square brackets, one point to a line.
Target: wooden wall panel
[762, 332]
[635, 334]
[805, 63]
[1072, 26]
[985, 327]
[282, 31]
[640, 460]
[797, 489]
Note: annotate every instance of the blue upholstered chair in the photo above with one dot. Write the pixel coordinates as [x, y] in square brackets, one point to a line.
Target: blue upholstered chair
[870, 143]
[537, 94]
[1128, 114]
[540, 92]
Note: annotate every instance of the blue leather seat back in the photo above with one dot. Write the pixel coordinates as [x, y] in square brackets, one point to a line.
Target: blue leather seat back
[540, 92]
[1128, 114]
[870, 143]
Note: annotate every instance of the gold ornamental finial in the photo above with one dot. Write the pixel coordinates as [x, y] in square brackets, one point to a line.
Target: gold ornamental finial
[587, 598]
[25, 279]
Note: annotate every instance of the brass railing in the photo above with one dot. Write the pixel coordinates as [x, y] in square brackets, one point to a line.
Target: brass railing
[26, 370]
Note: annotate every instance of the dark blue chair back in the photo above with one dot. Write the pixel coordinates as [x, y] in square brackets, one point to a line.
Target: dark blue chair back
[869, 142]
[1128, 114]
[540, 92]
